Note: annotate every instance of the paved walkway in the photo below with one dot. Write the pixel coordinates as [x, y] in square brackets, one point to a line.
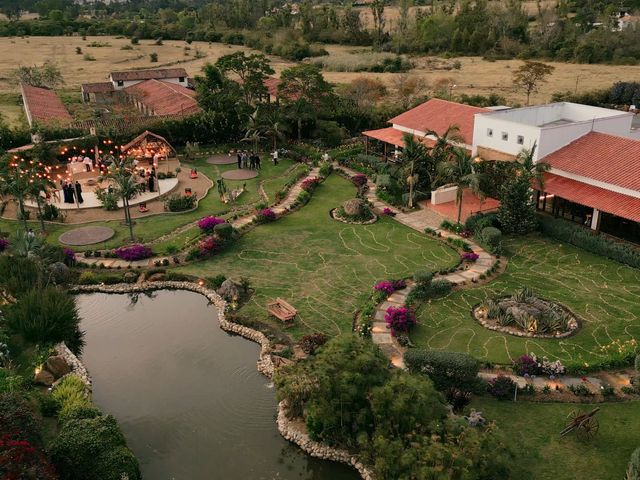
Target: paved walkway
[418, 220]
[280, 209]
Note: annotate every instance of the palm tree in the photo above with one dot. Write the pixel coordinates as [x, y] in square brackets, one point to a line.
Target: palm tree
[125, 186]
[414, 153]
[275, 129]
[526, 165]
[14, 181]
[41, 184]
[458, 170]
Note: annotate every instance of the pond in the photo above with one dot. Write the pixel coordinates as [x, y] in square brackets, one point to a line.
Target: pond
[187, 394]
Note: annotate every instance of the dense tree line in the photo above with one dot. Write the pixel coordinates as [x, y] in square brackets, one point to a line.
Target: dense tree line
[583, 31]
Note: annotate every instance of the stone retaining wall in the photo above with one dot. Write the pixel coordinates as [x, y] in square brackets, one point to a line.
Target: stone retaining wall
[77, 367]
[288, 429]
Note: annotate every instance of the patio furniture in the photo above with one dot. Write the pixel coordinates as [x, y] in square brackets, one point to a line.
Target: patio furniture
[281, 310]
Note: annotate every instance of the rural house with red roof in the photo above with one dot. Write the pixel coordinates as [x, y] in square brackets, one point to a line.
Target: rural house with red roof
[43, 106]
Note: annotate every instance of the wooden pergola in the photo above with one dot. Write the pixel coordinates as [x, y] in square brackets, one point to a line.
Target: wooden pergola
[150, 147]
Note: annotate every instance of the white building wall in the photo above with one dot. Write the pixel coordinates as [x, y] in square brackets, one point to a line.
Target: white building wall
[510, 146]
[128, 83]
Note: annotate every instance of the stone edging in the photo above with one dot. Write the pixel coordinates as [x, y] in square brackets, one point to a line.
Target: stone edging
[264, 365]
[334, 214]
[292, 432]
[519, 333]
[77, 367]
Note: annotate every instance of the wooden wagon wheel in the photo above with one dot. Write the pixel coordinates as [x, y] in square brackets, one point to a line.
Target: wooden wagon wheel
[588, 428]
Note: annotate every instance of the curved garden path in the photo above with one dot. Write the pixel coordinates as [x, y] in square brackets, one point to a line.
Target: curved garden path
[280, 208]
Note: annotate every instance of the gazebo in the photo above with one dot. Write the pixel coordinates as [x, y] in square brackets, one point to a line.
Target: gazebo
[149, 147]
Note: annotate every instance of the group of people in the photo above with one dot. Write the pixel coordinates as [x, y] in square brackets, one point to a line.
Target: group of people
[71, 191]
[87, 161]
[246, 160]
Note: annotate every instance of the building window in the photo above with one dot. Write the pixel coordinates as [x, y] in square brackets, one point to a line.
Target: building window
[489, 132]
[121, 83]
[520, 140]
[505, 136]
[181, 79]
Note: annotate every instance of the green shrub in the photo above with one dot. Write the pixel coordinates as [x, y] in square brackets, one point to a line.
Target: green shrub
[423, 276]
[224, 231]
[475, 223]
[303, 197]
[502, 387]
[92, 449]
[491, 239]
[424, 291]
[79, 412]
[70, 393]
[325, 169]
[446, 369]
[215, 282]
[584, 238]
[178, 277]
[88, 277]
[633, 469]
[18, 417]
[10, 382]
[19, 274]
[180, 203]
[46, 315]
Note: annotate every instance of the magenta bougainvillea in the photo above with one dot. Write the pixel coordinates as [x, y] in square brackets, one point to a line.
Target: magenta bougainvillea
[389, 286]
[359, 179]
[310, 184]
[266, 215]
[470, 256]
[208, 246]
[388, 211]
[4, 243]
[206, 224]
[400, 319]
[131, 253]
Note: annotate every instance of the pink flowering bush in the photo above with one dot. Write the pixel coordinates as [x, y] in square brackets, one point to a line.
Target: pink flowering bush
[388, 211]
[470, 256]
[400, 319]
[131, 253]
[4, 243]
[266, 215]
[208, 246]
[389, 286]
[310, 184]
[206, 224]
[359, 180]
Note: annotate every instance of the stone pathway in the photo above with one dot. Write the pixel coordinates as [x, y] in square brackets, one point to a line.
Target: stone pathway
[280, 209]
[418, 220]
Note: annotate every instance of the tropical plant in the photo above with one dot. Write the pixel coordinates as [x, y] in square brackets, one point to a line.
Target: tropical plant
[124, 186]
[458, 170]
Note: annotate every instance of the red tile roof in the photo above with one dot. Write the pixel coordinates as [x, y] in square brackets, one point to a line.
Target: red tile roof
[605, 200]
[602, 157]
[392, 136]
[164, 98]
[100, 87]
[438, 115]
[44, 105]
[157, 74]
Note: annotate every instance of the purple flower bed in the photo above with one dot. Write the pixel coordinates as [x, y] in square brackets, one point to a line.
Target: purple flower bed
[206, 224]
[400, 319]
[470, 256]
[266, 215]
[4, 243]
[131, 253]
[359, 180]
[388, 286]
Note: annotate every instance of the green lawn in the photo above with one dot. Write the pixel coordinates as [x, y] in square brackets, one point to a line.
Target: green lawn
[604, 293]
[150, 228]
[323, 267]
[532, 429]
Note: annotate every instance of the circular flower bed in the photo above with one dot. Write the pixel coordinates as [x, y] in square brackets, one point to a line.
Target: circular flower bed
[525, 315]
[354, 211]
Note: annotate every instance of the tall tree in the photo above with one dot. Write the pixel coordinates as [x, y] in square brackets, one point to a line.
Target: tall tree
[305, 93]
[251, 72]
[16, 175]
[530, 75]
[47, 75]
[377, 10]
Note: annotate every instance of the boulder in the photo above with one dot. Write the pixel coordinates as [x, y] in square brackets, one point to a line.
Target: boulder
[57, 366]
[44, 378]
[59, 272]
[229, 290]
[354, 207]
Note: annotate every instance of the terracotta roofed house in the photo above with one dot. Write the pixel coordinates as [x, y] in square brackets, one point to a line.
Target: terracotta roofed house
[434, 115]
[161, 98]
[43, 106]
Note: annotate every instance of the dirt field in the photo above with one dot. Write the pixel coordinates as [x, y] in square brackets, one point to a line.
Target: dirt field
[475, 76]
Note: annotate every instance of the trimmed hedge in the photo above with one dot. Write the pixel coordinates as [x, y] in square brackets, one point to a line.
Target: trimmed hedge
[491, 239]
[581, 237]
[445, 369]
[476, 223]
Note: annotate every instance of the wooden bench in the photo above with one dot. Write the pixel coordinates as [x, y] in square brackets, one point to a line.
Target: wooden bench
[281, 310]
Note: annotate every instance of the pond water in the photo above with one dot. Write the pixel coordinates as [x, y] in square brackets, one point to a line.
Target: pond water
[187, 394]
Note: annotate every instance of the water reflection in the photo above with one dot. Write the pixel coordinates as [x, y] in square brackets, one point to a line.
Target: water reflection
[188, 395]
